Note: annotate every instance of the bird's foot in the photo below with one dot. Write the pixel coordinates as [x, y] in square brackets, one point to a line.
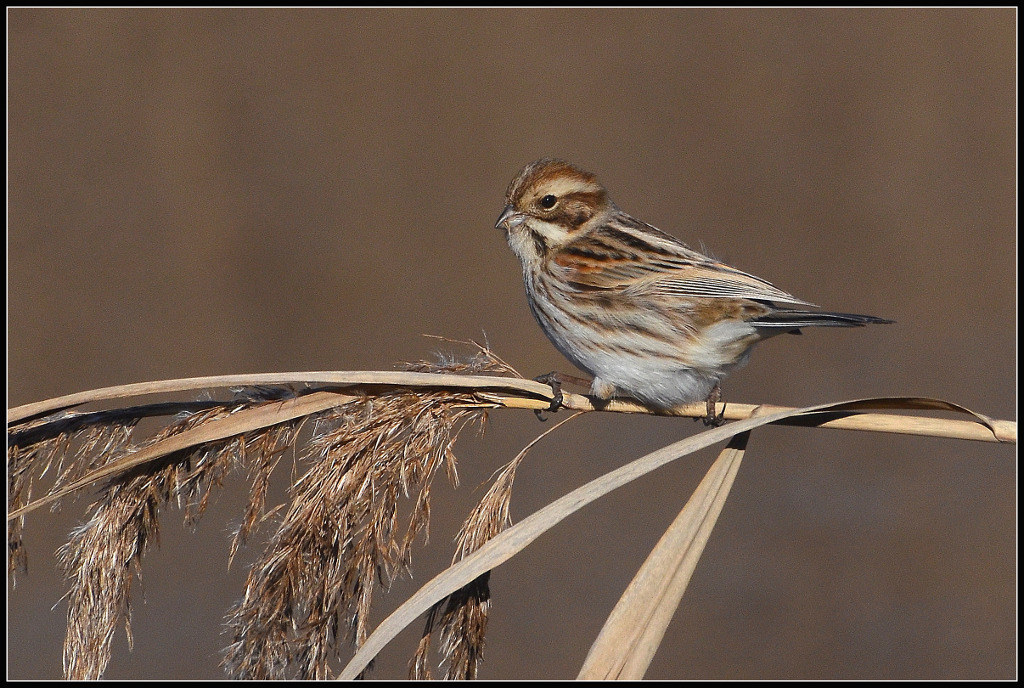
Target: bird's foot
[713, 418]
[555, 380]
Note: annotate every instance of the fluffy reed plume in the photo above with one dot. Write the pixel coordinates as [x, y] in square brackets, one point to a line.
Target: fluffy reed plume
[103, 553]
[32, 460]
[341, 535]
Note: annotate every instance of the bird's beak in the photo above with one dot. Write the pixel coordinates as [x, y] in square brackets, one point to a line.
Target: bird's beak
[509, 219]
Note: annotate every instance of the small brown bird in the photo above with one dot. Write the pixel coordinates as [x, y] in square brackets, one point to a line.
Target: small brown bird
[636, 308]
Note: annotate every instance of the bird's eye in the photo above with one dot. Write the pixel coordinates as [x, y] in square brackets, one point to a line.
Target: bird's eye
[548, 202]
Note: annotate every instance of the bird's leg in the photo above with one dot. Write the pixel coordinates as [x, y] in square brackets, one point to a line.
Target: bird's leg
[714, 419]
[555, 380]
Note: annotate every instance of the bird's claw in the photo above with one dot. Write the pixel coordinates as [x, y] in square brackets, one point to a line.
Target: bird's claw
[552, 380]
[714, 420]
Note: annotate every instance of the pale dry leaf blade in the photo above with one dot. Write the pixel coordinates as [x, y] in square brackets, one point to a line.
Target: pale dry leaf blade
[266, 414]
[847, 415]
[998, 428]
[348, 378]
[634, 629]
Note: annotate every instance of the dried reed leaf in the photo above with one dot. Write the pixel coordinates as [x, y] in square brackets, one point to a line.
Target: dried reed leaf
[519, 393]
[633, 631]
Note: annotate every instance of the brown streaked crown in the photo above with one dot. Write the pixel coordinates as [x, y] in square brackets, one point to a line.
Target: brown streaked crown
[580, 196]
[546, 169]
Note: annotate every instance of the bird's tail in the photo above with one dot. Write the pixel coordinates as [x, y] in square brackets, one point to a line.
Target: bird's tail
[794, 319]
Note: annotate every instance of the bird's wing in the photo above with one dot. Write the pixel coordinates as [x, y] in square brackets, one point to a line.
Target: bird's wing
[711, 280]
[641, 261]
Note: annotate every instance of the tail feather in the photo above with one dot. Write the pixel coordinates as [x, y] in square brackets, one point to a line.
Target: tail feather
[792, 319]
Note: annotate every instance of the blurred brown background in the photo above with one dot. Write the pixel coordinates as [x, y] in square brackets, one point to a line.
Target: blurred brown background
[202, 192]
